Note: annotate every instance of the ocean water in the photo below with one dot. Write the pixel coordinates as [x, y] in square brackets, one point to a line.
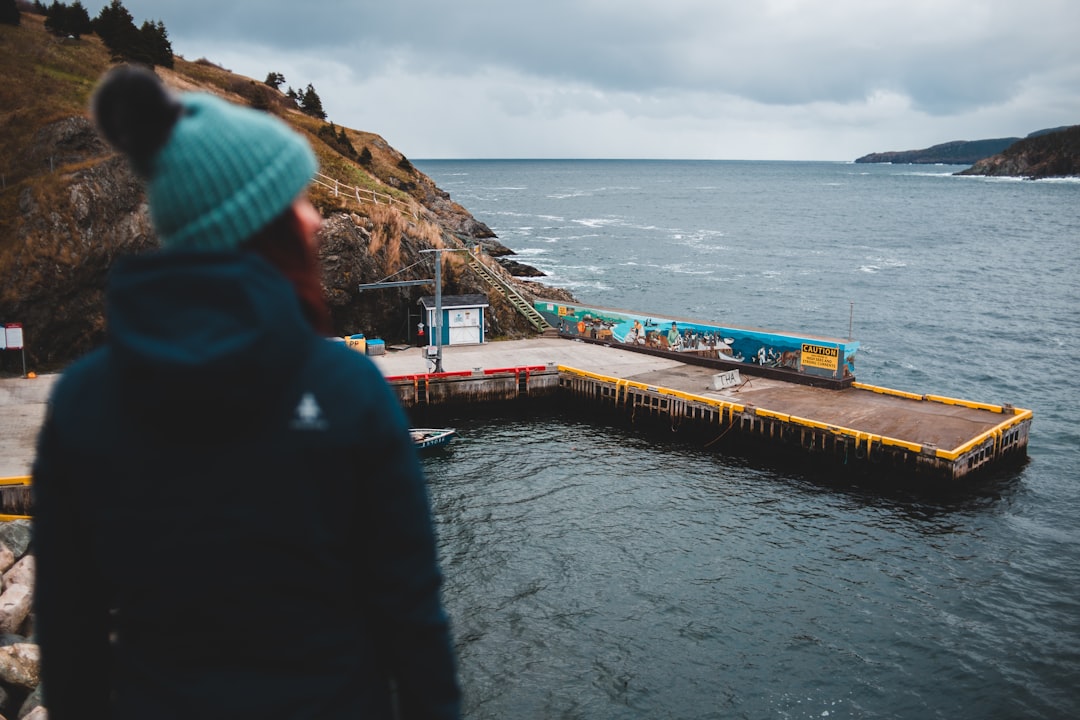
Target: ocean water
[596, 573]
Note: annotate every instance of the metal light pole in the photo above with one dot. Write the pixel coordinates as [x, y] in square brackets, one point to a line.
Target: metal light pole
[437, 326]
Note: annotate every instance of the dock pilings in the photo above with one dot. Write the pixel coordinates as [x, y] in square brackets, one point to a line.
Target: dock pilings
[744, 428]
[479, 385]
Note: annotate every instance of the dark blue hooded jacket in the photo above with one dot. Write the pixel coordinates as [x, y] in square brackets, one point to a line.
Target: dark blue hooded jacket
[238, 502]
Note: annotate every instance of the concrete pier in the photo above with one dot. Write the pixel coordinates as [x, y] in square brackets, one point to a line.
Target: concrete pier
[859, 427]
[522, 353]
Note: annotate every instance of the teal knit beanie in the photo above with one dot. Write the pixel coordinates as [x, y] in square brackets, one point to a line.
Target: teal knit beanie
[223, 174]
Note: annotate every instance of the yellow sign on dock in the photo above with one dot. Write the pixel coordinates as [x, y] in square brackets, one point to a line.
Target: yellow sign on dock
[820, 356]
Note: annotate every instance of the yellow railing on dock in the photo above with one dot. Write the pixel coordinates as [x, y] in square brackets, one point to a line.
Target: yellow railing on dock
[1018, 416]
[622, 383]
[930, 398]
[861, 438]
[996, 432]
[10, 482]
[17, 480]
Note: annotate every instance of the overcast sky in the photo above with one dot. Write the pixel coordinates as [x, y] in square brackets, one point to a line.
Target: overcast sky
[702, 79]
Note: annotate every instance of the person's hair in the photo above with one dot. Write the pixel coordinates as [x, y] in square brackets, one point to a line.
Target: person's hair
[283, 245]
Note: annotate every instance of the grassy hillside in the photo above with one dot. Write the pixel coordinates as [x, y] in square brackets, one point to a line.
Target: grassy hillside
[48, 79]
[69, 205]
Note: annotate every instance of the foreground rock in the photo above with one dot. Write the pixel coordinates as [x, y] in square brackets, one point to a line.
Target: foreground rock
[20, 657]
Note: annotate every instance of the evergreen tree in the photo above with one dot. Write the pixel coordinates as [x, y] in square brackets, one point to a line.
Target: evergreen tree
[116, 28]
[365, 156]
[336, 138]
[148, 44]
[55, 18]
[311, 104]
[274, 80]
[64, 21]
[77, 20]
[155, 44]
[9, 13]
[345, 143]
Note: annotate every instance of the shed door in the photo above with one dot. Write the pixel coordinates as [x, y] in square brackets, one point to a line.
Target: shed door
[464, 326]
[464, 335]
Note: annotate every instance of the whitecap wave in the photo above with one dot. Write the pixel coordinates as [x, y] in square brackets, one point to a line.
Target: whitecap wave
[686, 269]
[597, 222]
[1070, 180]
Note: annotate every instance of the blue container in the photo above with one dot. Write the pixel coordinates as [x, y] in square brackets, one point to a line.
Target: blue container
[376, 347]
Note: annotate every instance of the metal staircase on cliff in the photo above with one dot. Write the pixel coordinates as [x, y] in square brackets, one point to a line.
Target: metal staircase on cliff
[512, 296]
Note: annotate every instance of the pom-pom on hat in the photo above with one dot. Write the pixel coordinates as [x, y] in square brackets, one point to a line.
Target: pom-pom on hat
[218, 176]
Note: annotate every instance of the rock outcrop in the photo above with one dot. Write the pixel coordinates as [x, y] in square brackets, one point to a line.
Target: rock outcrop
[1055, 154]
[20, 658]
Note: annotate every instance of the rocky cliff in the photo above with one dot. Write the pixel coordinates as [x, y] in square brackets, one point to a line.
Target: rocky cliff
[1056, 154]
[69, 206]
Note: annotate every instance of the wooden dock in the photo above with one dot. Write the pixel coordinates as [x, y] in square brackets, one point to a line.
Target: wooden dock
[856, 428]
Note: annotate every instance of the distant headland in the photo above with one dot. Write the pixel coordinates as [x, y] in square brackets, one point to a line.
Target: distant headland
[1053, 152]
[956, 152]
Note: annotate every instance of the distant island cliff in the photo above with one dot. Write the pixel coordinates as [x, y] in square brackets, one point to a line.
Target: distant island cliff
[1054, 152]
[957, 152]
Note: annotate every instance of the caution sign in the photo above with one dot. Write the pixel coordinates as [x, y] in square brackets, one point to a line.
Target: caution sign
[820, 356]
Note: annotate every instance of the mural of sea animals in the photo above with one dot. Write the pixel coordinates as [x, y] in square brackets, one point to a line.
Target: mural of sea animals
[827, 356]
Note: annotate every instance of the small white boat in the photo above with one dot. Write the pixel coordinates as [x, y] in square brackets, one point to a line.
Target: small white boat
[427, 438]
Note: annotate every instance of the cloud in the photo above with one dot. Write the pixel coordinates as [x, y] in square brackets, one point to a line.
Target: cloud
[492, 78]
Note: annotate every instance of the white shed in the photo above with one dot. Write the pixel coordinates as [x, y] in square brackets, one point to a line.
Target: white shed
[462, 320]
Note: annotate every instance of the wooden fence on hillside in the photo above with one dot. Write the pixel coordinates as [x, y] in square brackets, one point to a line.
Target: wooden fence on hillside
[363, 195]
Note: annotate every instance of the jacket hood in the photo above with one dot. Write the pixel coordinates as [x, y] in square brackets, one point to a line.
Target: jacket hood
[202, 334]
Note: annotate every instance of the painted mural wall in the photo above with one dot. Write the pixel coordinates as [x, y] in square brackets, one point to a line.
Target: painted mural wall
[826, 357]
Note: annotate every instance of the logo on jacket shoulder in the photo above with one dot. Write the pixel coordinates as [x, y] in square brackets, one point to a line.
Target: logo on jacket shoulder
[308, 415]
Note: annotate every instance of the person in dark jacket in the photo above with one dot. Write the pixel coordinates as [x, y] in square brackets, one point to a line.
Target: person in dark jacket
[230, 518]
